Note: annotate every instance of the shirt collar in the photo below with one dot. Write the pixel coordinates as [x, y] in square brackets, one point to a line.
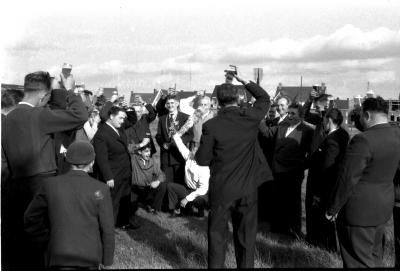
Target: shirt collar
[112, 127]
[333, 131]
[282, 118]
[26, 104]
[173, 114]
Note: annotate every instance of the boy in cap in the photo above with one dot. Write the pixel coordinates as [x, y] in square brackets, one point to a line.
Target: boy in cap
[148, 181]
[71, 216]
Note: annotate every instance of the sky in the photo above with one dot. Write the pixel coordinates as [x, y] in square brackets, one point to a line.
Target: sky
[144, 45]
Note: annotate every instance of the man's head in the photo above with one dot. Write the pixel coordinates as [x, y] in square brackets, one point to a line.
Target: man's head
[66, 69]
[172, 103]
[145, 152]
[333, 119]
[283, 105]
[116, 116]
[322, 102]
[204, 105]
[374, 111]
[80, 155]
[227, 95]
[272, 113]
[139, 110]
[9, 99]
[37, 88]
[294, 112]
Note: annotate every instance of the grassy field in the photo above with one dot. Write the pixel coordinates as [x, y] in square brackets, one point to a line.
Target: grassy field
[162, 242]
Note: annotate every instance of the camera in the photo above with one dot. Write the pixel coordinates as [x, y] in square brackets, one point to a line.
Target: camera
[317, 88]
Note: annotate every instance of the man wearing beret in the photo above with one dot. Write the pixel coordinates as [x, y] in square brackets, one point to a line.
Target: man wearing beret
[28, 144]
[71, 215]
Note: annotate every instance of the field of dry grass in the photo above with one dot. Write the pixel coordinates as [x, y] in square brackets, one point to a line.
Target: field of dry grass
[162, 242]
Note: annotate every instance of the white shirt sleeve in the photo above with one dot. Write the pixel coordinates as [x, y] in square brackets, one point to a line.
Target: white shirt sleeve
[185, 107]
[203, 180]
[90, 130]
[181, 147]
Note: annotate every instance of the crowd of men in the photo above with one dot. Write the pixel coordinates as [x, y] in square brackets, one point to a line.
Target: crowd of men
[75, 167]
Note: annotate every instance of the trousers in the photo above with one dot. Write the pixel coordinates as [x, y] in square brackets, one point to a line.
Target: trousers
[243, 213]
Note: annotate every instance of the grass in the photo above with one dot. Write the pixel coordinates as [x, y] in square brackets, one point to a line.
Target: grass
[162, 242]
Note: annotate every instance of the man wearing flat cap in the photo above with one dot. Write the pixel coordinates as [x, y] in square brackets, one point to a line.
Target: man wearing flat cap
[71, 216]
[64, 80]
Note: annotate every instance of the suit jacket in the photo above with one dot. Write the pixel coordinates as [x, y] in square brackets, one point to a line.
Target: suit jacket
[364, 192]
[230, 148]
[289, 152]
[112, 156]
[72, 217]
[324, 168]
[172, 156]
[28, 135]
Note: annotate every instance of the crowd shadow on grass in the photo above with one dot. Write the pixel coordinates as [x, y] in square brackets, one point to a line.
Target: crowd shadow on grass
[172, 248]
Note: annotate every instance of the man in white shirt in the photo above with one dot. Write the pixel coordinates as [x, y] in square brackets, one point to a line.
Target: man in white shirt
[196, 183]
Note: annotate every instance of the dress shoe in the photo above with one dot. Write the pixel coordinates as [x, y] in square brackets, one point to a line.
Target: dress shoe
[176, 213]
[131, 226]
[151, 210]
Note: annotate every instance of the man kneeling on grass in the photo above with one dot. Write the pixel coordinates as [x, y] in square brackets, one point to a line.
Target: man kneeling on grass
[71, 216]
[148, 181]
[196, 180]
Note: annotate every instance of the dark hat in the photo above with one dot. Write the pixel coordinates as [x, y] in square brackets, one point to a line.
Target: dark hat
[80, 153]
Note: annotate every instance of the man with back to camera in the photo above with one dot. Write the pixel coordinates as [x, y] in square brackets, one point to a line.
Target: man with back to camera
[28, 144]
[363, 196]
[229, 147]
[71, 215]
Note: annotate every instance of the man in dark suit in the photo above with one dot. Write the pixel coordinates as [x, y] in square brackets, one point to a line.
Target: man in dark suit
[171, 160]
[28, 144]
[113, 165]
[323, 172]
[71, 215]
[364, 192]
[229, 147]
[292, 144]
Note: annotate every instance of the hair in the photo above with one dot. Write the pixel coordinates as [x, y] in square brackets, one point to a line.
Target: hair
[274, 105]
[11, 97]
[297, 106]
[171, 97]
[205, 98]
[227, 94]
[114, 110]
[36, 81]
[284, 97]
[147, 146]
[377, 105]
[335, 115]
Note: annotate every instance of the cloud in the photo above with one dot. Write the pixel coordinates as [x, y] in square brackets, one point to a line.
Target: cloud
[31, 46]
[347, 43]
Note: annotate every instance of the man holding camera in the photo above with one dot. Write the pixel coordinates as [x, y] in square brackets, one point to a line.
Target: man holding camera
[229, 147]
